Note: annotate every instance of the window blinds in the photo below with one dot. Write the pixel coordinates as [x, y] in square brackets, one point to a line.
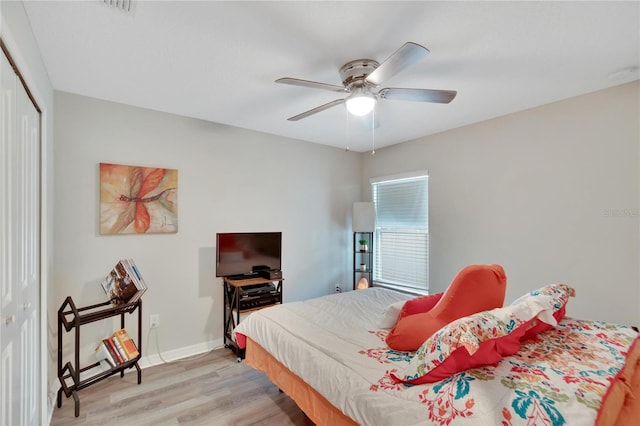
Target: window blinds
[402, 231]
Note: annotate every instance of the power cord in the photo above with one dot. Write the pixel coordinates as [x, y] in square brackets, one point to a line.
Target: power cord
[164, 361]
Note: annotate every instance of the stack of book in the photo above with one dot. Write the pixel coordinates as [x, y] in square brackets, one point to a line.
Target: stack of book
[117, 349]
[124, 284]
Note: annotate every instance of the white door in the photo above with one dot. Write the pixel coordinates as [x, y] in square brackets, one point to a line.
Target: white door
[19, 253]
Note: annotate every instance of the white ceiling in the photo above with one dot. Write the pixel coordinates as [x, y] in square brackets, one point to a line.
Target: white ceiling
[217, 61]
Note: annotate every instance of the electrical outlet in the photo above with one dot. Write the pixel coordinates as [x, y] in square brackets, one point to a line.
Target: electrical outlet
[338, 289]
[154, 320]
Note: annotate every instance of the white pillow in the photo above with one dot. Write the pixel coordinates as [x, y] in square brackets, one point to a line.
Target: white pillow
[390, 315]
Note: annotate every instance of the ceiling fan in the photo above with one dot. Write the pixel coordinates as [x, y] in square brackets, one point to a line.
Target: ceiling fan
[362, 78]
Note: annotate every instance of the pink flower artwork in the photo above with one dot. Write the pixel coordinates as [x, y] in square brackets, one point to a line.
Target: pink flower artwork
[138, 200]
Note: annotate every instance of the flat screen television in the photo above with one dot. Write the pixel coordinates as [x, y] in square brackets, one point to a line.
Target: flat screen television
[244, 253]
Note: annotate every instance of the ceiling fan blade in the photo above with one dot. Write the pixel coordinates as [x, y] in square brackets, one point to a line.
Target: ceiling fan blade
[408, 54]
[418, 95]
[316, 110]
[312, 84]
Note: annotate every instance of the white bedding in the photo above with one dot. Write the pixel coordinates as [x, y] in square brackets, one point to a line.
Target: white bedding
[334, 344]
[340, 325]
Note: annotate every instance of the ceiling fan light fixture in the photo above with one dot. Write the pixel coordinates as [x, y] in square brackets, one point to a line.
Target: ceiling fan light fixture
[360, 103]
[361, 80]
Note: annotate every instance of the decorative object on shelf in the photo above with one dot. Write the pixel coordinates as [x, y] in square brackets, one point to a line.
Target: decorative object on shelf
[138, 200]
[363, 283]
[127, 343]
[124, 284]
[363, 243]
[103, 353]
[364, 226]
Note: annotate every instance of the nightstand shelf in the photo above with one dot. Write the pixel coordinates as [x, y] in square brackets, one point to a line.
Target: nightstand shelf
[362, 257]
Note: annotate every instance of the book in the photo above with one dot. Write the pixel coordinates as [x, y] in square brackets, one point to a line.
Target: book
[136, 277]
[108, 285]
[102, 353]
[113, 351]
[122, 284]
[127, 343]
[121, 351]
[105, 365]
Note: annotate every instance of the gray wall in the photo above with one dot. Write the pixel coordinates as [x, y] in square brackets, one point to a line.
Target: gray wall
[230, 180]
[550, 193]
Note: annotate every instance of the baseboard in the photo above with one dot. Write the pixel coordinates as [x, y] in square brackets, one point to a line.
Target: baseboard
[156, 359]
[51, 399]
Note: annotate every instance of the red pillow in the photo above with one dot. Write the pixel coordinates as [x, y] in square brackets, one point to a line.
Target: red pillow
[476, 288]
[489, 352]
[483, 338]
[419, 305]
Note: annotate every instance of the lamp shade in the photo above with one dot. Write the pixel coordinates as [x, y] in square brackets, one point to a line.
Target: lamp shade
[360, 105]
[364, 217]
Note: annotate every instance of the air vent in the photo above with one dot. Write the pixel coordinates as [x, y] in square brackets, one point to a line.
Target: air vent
[123, 5]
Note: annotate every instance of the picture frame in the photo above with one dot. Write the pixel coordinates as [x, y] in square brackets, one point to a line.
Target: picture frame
[138, 200]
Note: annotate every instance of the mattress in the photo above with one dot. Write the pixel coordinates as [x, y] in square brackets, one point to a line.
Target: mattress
[333, 344]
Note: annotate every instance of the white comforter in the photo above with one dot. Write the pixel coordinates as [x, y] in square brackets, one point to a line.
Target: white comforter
[334, 344]
[319, 340]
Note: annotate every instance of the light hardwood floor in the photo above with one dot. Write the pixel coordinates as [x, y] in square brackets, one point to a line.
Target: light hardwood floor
[208, 390]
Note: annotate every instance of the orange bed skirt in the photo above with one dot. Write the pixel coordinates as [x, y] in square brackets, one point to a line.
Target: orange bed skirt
[314, 405]
[620, 406]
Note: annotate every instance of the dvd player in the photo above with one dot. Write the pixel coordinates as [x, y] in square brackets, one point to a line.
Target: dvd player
[259, 301]
[256, 289]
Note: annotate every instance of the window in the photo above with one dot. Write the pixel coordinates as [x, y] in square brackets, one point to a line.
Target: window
[402, 232]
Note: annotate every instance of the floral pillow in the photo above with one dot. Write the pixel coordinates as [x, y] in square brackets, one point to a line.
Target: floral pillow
[483, 338]
[561, 297]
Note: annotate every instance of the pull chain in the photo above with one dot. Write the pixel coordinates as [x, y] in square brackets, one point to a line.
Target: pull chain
[348, 133]
[373, 131]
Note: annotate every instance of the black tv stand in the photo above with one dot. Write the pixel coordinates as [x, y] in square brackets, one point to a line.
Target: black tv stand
[237, 301]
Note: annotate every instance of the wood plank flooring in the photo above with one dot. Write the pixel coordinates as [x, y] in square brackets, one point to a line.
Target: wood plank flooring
[211, 389]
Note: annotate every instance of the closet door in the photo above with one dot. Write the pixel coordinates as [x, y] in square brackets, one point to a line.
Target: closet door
[8, 331]
[19, 253]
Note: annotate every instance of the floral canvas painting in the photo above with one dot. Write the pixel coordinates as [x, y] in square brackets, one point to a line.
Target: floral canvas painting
[138, 200]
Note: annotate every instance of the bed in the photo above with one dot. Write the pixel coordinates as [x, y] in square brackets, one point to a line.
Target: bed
[329, 355]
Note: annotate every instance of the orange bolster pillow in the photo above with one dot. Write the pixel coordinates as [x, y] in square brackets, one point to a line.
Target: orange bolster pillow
[419, 305]
[476, 288]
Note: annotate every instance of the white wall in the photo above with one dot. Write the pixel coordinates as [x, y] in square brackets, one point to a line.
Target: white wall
[16, 34]
[550, 193]
[230, 180]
